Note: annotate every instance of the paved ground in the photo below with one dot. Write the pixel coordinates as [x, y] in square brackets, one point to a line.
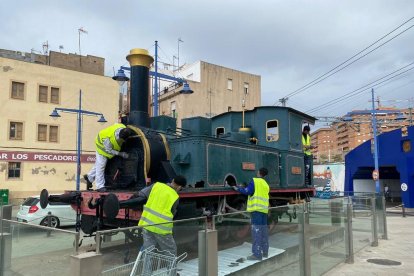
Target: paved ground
[399, 247]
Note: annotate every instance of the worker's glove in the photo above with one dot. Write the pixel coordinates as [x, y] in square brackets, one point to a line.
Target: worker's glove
[123, 154]
[235, 187]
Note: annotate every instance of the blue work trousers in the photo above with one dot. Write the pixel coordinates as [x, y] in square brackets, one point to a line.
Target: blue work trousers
[260, 234]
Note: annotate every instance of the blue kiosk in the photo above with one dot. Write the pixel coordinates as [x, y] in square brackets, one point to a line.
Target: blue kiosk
[396, 164]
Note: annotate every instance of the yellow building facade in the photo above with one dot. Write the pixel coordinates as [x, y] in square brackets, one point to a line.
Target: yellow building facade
[37, 151]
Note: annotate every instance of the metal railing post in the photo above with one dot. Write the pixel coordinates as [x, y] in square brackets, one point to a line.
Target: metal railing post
[49, 223]
[98, 242]
[374, 222]
[77, 237]
[348, 234]
[384, 215]
[304, 244]
[403, 209]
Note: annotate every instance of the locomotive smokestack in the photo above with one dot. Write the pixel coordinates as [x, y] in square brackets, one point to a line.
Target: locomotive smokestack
[140, 62]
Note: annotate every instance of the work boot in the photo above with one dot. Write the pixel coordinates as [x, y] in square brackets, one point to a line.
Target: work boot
[253, 258]
[88, 183]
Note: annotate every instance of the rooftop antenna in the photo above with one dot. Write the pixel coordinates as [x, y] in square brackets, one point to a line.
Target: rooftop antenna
[81, 30]
[45, 47]
[174, 58]
[60, 48]
[178, 56]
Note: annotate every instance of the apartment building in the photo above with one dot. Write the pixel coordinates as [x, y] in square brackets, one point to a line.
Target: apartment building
[36, 151]
[355, 128]
[217, 89]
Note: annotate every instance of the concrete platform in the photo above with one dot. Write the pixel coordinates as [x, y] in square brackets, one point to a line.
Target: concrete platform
[399, 247]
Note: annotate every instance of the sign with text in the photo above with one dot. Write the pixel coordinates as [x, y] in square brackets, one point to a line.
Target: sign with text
[247, 166]
[296, 170]
[44, 157]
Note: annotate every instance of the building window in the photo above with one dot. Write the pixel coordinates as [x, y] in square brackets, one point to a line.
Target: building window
[43, 91]
[246, 88]
[42, 133]
[46, 133]
[14, 170]
[16, 131]
[228, 108]
[272, 131]
[17, 90]
[173, 110]
[55, 95]
[220, 131]
[229, 84]
[44, 94]
[53, 134]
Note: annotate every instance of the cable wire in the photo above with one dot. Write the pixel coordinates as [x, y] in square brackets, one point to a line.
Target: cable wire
[328, 74]
[363, 88]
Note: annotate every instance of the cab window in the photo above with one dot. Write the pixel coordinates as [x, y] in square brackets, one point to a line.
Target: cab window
[272, 130]
[219, 131]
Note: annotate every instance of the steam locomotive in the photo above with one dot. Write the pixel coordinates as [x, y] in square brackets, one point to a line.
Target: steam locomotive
[212, 153]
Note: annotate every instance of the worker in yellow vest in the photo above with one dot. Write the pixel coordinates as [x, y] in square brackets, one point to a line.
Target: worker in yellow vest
[108, 144]
[306, 143]
[258, 206]
[158, 213]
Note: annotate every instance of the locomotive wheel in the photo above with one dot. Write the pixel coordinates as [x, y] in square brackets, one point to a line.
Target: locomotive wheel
[239, 230]
[271, 222]
[134, 235]
[88, 224]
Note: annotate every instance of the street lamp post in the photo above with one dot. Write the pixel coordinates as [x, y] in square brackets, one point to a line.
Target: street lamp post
[374, 129]
[80, 112]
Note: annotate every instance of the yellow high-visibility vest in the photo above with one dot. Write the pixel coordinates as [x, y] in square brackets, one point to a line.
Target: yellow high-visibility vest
[105, 133]
[259, 201]
[158, 209]
[306, 142]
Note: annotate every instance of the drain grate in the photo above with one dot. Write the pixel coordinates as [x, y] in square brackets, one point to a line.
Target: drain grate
[383, 262]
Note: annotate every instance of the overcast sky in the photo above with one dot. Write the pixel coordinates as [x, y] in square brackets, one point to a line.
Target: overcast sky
[289, 43]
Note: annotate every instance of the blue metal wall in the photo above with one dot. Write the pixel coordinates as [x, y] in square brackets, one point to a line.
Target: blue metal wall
[391, 154]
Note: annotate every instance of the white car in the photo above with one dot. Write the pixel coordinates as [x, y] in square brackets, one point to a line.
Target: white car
[62, 214]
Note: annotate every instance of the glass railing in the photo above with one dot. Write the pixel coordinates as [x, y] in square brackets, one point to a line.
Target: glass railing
[120, 249]
[312, 237]
[36, 250]
[327, 219]
[362, 222]
[241, 245]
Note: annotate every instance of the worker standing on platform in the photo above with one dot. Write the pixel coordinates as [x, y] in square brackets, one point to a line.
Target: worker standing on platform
[160, 209]
[108, 144]
[258, 206]
[306, 143]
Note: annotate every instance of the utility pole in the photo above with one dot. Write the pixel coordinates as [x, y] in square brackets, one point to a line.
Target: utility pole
[374, 128]
[283, 101]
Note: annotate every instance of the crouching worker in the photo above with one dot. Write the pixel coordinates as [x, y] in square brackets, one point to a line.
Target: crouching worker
[257, 205]
[158, 214]
[108, 144]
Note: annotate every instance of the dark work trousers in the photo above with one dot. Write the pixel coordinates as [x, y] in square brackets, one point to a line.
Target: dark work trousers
[307, 160]
[260, 234]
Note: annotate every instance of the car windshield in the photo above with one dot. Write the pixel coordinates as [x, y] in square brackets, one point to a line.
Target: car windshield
[30, 201]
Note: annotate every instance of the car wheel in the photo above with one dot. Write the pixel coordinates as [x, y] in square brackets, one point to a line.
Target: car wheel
[54, 222]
